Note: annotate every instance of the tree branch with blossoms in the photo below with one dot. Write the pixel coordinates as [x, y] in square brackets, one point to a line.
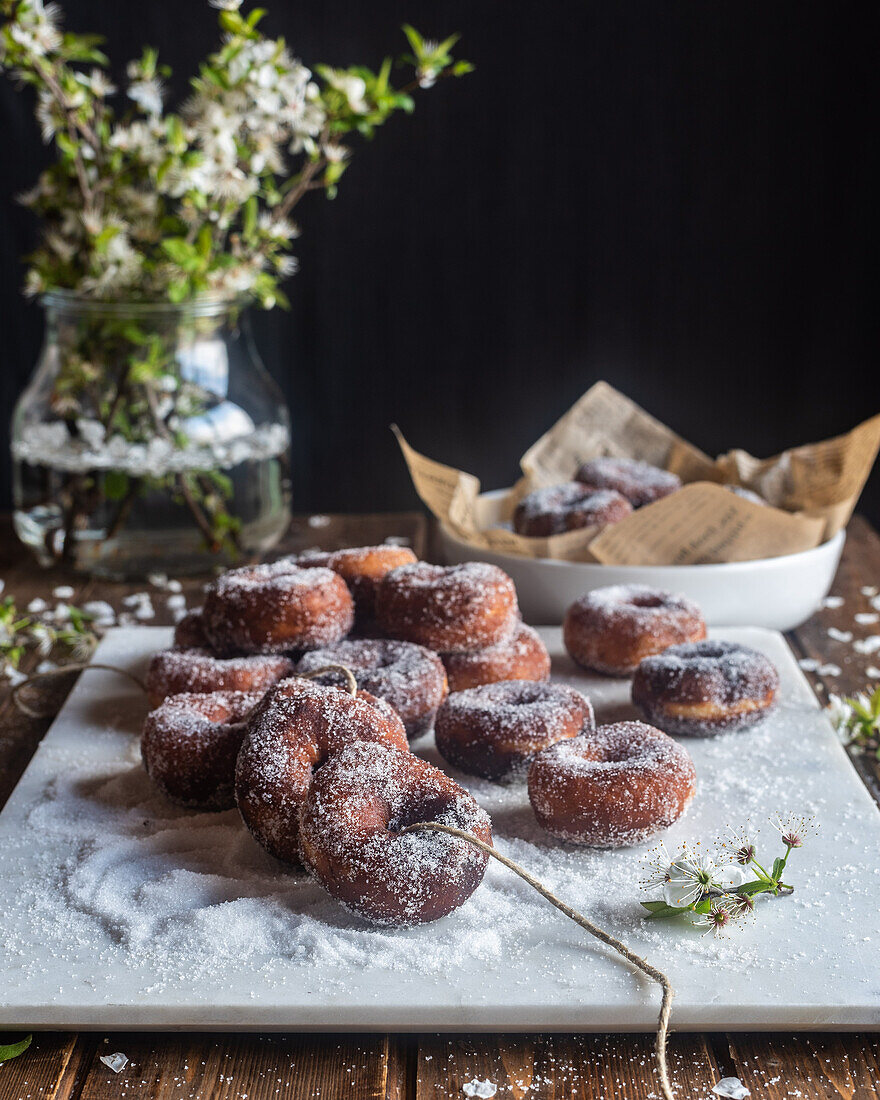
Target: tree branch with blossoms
[156, 204]
[719, 888]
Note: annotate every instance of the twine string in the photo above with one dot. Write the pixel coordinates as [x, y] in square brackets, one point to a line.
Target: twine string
[31, 711]
[631, 957]
[54, 674]
[594, 930]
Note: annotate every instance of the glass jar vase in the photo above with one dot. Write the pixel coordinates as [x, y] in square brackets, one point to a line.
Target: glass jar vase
[150, 439]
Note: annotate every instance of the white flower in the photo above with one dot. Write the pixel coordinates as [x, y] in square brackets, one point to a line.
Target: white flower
[287, 266]
[691, 876]
[48, 116]
[279, 229]
[97, 83]
[793, 828]
[334, 153]
[719, 918]
[352, 87]
[147, 94]
[839, 711]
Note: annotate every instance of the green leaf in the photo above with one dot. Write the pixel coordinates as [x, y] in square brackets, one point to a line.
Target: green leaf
[778, 868]
[757, 886]
[661, 909]
[414, 38]
[12, 1050]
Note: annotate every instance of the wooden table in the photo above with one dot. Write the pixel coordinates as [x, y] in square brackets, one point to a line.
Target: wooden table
[432, 1067]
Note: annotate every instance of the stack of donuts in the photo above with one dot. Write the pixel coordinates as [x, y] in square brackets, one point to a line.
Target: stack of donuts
[295, 691]
[603, 491]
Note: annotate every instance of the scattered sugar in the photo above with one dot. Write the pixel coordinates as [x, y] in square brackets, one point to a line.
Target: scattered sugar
[319, 521]
[37, 606]
[866, 618]
[839, 635]
[133, 895]
[867, 646]
[832, 601]
[869, 590]
[873, 672]
[63, 592]
[808, 664]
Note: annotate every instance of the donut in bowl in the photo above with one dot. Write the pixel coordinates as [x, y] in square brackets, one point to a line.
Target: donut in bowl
[556, 509]
[640, 482]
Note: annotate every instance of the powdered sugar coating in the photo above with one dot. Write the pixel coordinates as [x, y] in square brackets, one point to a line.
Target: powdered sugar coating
[612, 787]
[706, 688]
[640, 482]
[190, 743]
[612, 629]
[522, 656]
[455, 608]
[567, 507]
[407, 676]
[351, 839]
[362, 568]
[298, 725]
[495, 730]
[173, 671]
[277, 607]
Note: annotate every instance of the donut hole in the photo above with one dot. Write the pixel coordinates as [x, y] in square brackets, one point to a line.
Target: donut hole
[426, 809]
[647, 601]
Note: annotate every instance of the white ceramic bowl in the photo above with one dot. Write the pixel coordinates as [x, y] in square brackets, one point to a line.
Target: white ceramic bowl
[778, 593]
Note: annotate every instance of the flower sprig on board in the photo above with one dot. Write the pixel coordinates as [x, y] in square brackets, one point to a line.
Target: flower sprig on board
[170, 205]
[857, 718]
[718, 889]
[65, 631]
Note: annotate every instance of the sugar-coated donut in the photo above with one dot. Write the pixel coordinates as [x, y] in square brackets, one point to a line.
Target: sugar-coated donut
[362, 568]
[447, 608]
[567, 507]
[706, 688]
[173, 671]
[189, 745]
[612, 629]
[495, 730]
[640, 482]
[614, 786]
[522, 656]
[408, 677]
[272, 608]
[351, 839]
[298, 725]
[189, 633]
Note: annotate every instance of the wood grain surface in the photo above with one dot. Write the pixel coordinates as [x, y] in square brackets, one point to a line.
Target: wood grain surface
[435, 1067]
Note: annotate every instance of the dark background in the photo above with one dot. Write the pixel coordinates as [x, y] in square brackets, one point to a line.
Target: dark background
[679, 197]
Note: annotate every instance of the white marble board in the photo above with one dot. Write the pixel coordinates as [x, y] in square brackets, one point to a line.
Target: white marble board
[120, 911]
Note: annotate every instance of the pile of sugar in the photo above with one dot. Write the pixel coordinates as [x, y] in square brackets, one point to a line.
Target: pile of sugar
[187, 905]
